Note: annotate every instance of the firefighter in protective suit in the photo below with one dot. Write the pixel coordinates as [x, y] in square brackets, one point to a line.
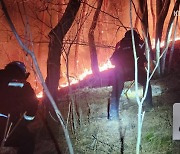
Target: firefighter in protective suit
[18, 106]
[123, 59]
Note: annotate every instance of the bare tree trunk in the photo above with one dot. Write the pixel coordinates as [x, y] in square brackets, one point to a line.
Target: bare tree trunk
[154, 17]
[80, 29]
[76, 55]
[55, 46]
[161, 13]
[41, 37]
[137, 20]
[144, 22]
[168, 34]
[140, 113]
[172, 47]
[92, 47]
[56, 36]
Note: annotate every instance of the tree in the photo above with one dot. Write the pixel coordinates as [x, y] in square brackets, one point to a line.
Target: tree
[92, 46]
[56, 36]
[168, 35]
[162, 8]
[159, 29]
[80, 30]
[143, 15]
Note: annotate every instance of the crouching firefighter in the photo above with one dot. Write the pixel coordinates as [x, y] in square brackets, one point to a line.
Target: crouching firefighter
[18, 106]
[123, 59]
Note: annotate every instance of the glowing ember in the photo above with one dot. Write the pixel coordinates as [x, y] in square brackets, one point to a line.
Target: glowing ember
[39, 95]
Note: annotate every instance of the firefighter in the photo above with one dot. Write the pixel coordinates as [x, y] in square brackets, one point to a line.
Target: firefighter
[123, 59]
[18, 107]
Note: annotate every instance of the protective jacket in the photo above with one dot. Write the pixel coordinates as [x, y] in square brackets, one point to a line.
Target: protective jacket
[123, 57]
[125, 47]
[18, 99]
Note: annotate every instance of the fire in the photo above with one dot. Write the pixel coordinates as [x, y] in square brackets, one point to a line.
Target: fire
[103, 67]
[86, 72]
[106, 66]
[163, 42]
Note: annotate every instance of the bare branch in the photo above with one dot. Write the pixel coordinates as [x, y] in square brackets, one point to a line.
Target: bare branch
[58, 113]
[108, 15]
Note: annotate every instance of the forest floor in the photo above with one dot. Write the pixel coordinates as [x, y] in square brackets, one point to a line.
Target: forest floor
[93, 133]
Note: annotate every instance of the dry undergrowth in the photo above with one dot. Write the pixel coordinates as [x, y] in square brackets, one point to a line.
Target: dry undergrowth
[94, 134]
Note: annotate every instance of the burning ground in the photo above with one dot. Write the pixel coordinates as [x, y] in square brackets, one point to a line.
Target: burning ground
[93, 133]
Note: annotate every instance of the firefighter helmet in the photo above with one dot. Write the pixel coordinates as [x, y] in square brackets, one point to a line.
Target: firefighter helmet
[128, 34]
[17, 69]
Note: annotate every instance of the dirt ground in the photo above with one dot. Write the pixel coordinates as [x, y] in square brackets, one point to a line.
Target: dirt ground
[92, 133]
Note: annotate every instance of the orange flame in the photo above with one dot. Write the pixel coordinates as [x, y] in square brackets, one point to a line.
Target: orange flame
[103, 67]
[163, 42]
[86, 72]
